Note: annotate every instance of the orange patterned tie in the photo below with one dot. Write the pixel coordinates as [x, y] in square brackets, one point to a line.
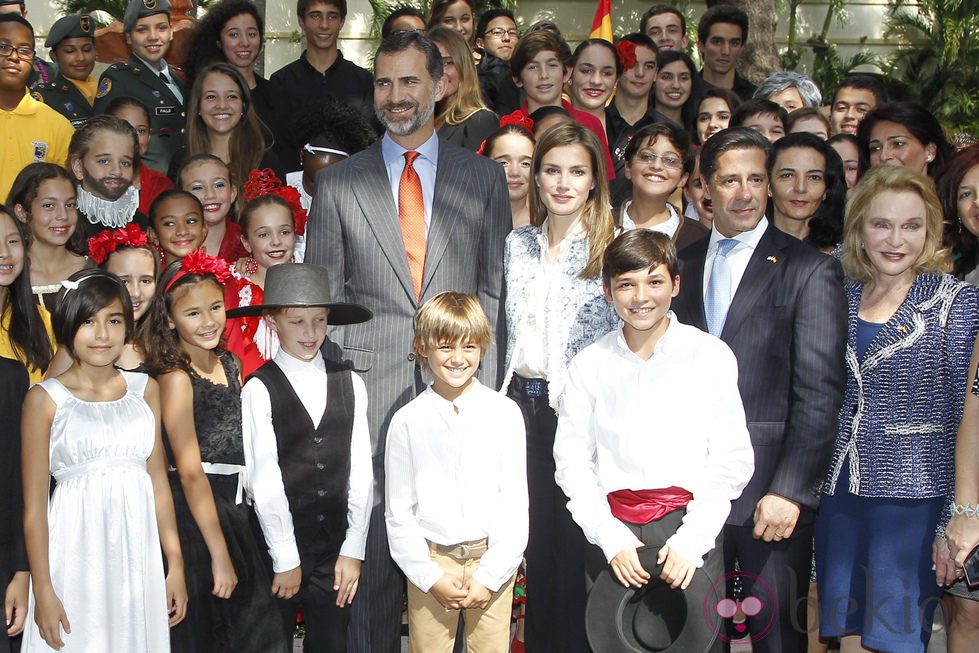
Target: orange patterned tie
[411, 214]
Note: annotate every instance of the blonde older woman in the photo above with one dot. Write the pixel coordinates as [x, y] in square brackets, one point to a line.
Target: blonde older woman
[911, 331]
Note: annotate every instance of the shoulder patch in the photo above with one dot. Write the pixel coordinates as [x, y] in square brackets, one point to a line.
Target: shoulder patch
[104, 87]
[37, 96]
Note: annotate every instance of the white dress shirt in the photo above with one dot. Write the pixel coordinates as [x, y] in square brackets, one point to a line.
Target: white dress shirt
[457, 472]
[264, 478]
[674, 420]
[668, 226]
[737, 258]
[425, 165]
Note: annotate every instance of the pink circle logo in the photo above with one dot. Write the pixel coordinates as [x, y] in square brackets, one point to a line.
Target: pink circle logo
[758, 604]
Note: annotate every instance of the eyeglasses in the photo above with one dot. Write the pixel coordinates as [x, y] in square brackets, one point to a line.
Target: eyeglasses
[25, 52]
[667, 160]
[499, 33]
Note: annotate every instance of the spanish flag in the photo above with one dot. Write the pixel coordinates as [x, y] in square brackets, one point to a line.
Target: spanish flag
[601, 27]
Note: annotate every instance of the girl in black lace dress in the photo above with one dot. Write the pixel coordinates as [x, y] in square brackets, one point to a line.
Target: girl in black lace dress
[229, 589]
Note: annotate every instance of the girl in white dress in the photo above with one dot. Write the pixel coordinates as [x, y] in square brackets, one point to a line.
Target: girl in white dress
[94, 547]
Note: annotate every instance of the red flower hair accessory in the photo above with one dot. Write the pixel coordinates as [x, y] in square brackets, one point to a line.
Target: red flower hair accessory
[107, 242]
[200, 262]
[627, 53]
[517, 118]
[264, 182]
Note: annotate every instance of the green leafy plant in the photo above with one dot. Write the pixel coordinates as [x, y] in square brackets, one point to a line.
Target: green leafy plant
[938, 63]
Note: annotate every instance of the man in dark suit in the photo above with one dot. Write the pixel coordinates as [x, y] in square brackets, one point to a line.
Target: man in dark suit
[396, 224]
[13, 559]
[779, 304]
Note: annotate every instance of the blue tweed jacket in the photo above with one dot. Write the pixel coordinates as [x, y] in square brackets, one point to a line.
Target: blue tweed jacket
[578, 313]
[903, 401]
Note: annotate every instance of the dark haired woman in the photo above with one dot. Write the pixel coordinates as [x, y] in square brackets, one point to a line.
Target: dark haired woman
[958, 191]
[904, 134]
[808, 189]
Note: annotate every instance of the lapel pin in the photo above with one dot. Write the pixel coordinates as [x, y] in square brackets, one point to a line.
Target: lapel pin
[772, 259]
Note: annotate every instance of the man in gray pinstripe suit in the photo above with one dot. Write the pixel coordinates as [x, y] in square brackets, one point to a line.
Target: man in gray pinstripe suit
[354, 231]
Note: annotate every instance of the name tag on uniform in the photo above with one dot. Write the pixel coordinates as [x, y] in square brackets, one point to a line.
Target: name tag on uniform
[166, 111]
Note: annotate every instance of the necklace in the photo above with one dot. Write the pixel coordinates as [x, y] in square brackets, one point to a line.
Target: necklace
[109, 213]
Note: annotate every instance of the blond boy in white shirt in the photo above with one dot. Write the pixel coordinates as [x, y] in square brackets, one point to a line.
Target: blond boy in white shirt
[456, 491]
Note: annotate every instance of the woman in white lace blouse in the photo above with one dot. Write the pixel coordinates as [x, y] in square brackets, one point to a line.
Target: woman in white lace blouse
[555, 306]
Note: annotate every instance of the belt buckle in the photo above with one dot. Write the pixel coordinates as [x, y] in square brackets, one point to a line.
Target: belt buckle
[463, 551]
[534, 388]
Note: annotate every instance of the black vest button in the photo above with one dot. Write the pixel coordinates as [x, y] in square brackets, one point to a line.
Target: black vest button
[322, 493]
[317, 440]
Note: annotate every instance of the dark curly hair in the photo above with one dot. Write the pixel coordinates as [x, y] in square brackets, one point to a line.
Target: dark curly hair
[205, 42]
[333, 123]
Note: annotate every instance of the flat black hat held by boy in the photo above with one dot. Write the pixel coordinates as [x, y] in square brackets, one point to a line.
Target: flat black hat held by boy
[654, 618]
[303, 285]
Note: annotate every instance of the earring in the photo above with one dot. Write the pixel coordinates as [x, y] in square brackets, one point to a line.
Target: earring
[929, 158]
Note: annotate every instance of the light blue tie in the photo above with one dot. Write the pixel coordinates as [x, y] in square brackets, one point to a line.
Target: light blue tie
[718, 298]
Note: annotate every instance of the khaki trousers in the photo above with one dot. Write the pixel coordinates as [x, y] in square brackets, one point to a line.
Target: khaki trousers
[432, 628]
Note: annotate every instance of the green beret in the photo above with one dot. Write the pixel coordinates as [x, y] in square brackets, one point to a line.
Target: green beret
[141, 9]
[71, 26]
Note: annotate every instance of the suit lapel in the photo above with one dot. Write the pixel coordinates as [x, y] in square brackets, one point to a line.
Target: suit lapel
[381, 213]
[693, 279]
[449, 180]
[763, 265]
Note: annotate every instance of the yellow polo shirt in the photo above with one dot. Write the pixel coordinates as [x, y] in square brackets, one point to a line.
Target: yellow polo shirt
[31, 132]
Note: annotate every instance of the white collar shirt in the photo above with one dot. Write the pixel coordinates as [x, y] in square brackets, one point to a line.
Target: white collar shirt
[625, 423]
[738, 257]
[426, 165]
[456, 472]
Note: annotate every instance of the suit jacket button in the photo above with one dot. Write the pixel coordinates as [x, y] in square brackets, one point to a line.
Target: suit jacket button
[320, 466]
[320, 518]
[317, 440]
[411, 358]
[321, 493]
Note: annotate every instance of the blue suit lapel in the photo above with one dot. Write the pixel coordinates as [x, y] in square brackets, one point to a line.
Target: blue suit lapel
[765, 263]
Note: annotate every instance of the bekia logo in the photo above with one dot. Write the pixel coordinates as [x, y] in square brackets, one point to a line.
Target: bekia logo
[758, 603]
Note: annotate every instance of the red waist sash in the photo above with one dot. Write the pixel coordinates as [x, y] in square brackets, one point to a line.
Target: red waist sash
[644, 506]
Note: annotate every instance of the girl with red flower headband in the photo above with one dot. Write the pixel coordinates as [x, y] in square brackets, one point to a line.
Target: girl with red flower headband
[512, 146]
[270, 223]
[127, 254]
[200, 385]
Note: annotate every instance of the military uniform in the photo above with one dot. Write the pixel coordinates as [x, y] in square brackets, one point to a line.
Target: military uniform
[135, 79]
[56, 90]
[65, 98]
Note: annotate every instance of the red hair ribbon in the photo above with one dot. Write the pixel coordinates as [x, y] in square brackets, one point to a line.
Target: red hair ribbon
[627, 53]
[200, 262]
[518, 118]
[264, 182]
[107, 242]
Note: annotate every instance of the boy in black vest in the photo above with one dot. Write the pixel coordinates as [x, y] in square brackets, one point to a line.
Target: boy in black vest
[307, 451]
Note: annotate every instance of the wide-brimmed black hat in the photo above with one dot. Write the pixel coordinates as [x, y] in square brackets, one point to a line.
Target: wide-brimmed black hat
[654, 618]
[303, 285]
